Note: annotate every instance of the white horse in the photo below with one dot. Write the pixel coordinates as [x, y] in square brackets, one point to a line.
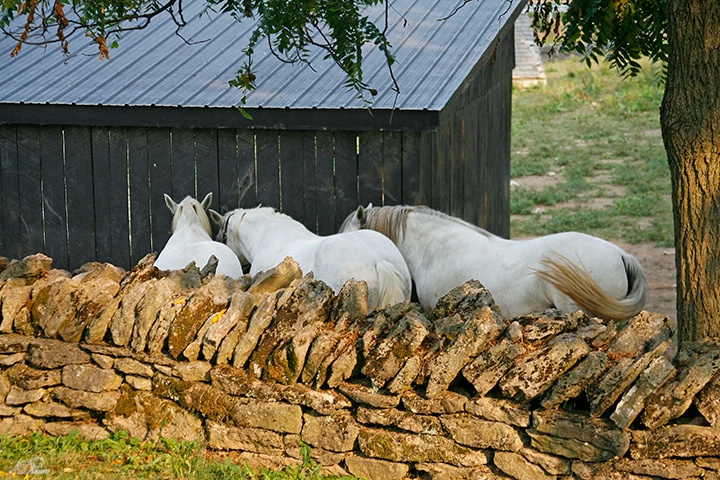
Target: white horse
[568, 271]
[191, 240]
[265, 237]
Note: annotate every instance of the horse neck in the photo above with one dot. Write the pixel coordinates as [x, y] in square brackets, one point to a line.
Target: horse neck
[189, 227]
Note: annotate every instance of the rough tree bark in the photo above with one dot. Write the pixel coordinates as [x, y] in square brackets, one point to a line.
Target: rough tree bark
[690, 120]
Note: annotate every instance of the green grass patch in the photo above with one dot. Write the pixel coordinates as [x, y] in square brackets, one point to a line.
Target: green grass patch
[599, 133]
[121, 456]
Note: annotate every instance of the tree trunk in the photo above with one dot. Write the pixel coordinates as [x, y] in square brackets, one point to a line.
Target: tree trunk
[690, 120]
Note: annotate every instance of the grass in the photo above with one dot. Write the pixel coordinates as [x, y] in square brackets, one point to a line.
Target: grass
[121, 457]
[587, 155]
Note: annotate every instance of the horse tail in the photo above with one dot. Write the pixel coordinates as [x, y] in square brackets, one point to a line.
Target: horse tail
[393, 286]
[575, 282]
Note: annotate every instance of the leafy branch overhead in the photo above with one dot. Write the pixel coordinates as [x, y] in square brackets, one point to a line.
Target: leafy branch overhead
[291, 28]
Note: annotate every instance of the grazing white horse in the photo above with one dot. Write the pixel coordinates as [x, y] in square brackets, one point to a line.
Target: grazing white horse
[568, 271]
[265, 237]
[191, 240]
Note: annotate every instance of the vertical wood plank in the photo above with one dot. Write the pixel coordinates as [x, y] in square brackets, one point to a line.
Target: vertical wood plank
[428, 152]
[139, 193]
[228, 174]
[441, 165]
[183, 163]
[247, 169]
[30, 189]
[118, 197]
[81, 209]
[160, 171]
[392, 168]
[268, 168]
[346, 176]
[309, 161]
[52, 165]
[411, 192]
[475, 158]
[206, 161]
[102, 193]
[370, 158]
[325, 183]
[292, 174]
[12, 247]
[456, 161]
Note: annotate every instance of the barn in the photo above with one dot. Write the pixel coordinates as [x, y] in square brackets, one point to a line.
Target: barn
[89, 147]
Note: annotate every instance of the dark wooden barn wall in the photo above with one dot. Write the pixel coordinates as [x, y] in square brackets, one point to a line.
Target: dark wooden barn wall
[470, 160]
[96, 193]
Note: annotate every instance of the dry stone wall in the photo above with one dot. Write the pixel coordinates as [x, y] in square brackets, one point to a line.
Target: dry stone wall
[258, 365]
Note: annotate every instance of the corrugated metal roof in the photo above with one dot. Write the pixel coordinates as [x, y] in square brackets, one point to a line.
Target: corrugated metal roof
[155, 67]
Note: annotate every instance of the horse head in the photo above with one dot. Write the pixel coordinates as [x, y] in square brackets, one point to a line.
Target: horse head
[190, 211]
[356, 220]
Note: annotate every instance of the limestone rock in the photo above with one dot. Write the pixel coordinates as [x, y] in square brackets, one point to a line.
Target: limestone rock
[397, 418]
[275, 416]
[204, 302]
[30, 378]
[343, 362]
[464, 300]
[336, 433]
[618, 379]
[54, 410]
[18, 396]
[655, 376]
[319, 352]
[471, 431]
[394, 350]
[406, 376]
[177, 284]
[15, 304]
[500, 410]
[539, 370]
[519, 467]
[123, 320]
[643, 333]
[542, 327]
[550, 463]
[683, 441]
[20, 425]
[12, 359]
[139, 383]
[443, 471]
[677, 396]
[403, 447]
[351, 302]
[663, 468]
[15, 343]
[301, 311]
[489, 367]
[43, 295]
[30, 267]
[235, 318]
[192, 371]
[708, 402]
[146, 417]
[47, 353]
[133, 367]
[91, 431]
[98, 402]
[259, 321]
[574, 382]
[90, 378]
[374, 469]
[223, 437]
[99, 285]
[368, 396]
[445, 402]
[577, 436]
[480, 331]
[276, 278]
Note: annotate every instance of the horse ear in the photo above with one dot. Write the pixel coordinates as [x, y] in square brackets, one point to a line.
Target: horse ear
[170, 203]
[360, 215]
[206, 201]
[216, 218]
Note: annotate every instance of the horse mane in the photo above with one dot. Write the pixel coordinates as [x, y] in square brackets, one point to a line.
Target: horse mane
[391, 221]
[201, 214]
